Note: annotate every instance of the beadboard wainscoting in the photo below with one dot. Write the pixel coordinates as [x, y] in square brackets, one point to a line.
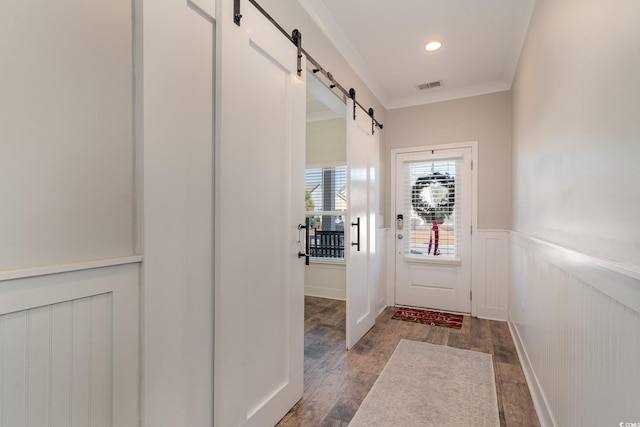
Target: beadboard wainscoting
[490, 274]
[379, 266]
[325, 280]
[575, 319]
[69, 345]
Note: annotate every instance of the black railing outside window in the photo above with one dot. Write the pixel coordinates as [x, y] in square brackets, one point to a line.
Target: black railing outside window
[327, 244]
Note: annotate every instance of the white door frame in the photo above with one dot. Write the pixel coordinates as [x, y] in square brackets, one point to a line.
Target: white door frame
[391, 264]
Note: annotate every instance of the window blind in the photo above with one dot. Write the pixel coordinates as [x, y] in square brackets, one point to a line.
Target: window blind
[433, 205]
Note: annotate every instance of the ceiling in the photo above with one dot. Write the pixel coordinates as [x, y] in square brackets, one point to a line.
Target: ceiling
[384, 42]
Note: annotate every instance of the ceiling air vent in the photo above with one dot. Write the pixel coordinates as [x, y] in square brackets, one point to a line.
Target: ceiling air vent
[430, 85]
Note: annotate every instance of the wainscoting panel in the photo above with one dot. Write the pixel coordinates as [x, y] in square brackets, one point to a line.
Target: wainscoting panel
[379, 267]
[325, 280]
[72, 362]
[576, 321]
[59, 354]
[490, 274]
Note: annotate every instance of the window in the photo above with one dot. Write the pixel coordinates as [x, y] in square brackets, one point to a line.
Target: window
[430, 197]
[326, 205]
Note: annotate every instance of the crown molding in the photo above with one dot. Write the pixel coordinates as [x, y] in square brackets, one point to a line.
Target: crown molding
[448, 94]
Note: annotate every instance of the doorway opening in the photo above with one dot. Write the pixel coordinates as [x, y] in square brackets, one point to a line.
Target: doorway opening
[326, 199]
[341, 201]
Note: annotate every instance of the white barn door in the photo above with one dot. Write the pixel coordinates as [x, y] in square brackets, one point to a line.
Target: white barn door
[362, 159]
[260, 145]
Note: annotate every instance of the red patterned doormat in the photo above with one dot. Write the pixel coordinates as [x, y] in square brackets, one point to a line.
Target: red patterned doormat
[429, 317]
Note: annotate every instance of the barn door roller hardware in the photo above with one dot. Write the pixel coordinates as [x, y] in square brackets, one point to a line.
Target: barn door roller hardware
[296, 39]
[237, 16]
[352, 95]
[370, 112]
[373, 121]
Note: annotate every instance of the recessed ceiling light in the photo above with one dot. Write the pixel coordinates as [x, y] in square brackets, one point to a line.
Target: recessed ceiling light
[433, 45]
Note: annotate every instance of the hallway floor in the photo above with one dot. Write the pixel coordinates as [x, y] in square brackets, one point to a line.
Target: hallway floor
[337, 381]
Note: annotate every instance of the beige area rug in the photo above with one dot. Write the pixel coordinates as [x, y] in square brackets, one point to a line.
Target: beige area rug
[431, 385]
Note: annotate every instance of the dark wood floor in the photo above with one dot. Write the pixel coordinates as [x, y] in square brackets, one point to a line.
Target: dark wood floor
[337, 381]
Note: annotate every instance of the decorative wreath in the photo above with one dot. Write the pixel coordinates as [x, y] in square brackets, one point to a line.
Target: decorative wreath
[433, 197]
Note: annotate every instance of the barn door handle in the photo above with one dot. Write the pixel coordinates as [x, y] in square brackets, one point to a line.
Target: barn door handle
[307, 244]
[357, 242]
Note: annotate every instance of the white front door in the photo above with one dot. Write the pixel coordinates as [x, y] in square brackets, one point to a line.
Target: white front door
[433, 229]
[259, 280]
[362, 158]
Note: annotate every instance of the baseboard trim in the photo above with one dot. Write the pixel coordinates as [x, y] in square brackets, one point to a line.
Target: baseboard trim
[382, 306]
[539, 401]
[337, 294]
[489, 314]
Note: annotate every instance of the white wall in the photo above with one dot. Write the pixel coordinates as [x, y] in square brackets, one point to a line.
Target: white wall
[486, 119]
[326, 143]
[576, 108]
[178, 235]
[575, 270]
[69, 335]
[66, 138]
